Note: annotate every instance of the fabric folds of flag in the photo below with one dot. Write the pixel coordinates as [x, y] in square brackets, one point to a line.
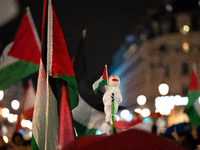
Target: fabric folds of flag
[86, 118]
[52, 128]
[193, 108]
[101, 81]
[20, 58]
[89, 114]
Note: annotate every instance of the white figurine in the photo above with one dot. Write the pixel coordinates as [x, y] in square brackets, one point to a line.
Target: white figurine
[112, 88]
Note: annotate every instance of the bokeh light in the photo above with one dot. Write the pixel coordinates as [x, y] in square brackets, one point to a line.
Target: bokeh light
[186, 47]
[1, 95]
[98, 132]
[138, 110]
[163, 89]
[11, 118]
[169, 7]
[129, 118]
[15, 104]
[5, 138]
[4, 130]
[5, 112]
[165, 111]
[124, 113]
[145, 112]
[141, 99]
[26, 124]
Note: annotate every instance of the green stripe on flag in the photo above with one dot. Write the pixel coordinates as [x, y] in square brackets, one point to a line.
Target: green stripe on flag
[34, 144]
[15, 72]
[86, 118]
[192, 97]
[83, 130]
[103, 82]
[193, 116]
[72, 88]
[190, 108]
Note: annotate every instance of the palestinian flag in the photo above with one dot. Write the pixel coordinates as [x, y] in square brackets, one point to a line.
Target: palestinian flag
[89, 115]
[193, 108]
[101, 81]
[20, 58]
[86, 118]
[27, 105]
[52, 124]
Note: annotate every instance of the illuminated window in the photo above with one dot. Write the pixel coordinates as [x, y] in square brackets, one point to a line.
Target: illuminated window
[186, 47]
[183, 22]
[185, 29]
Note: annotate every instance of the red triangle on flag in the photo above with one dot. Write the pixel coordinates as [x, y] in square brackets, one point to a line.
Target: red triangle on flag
[61, 63]
[105, 73]
[193, 82]
[25, 45]
[66, 131]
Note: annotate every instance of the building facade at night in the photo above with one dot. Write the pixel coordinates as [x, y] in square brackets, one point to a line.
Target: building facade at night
[163, 51]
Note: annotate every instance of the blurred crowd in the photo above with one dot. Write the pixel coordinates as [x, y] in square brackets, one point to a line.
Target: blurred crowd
[183, 135]
[17, 142]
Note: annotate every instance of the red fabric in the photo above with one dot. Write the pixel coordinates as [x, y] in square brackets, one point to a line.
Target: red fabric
[155, 115]
[128, 140]
[25, 46]
[120, 125]
[61, 63]
[28, 113]
[193, 82]
[66, 131]
[43, 20]
[105, 73]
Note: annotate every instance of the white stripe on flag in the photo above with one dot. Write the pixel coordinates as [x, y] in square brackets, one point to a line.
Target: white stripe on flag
[39, 116]
[6, 60]
[96, 83]
[88, 116]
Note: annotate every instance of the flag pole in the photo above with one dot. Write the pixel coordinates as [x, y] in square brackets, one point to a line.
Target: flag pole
[106, 74]
[112, 106]
[49, 57]
[112, 113]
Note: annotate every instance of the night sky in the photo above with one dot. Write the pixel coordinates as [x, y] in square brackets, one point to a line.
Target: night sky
[107, 22]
